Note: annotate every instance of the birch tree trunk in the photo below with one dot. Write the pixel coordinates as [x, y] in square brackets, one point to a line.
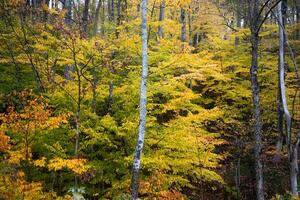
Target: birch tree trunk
[280, 111]
[143, 100]
[254, 16]
[293, 155]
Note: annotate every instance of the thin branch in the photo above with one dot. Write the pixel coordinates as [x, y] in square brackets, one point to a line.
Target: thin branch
[266, 16]
[291, 52]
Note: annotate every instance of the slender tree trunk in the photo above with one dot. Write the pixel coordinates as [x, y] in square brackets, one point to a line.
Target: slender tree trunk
[294, 168]
[190, 27]
[96, 20]
[196, 40]
[109, 10]
[143, 100]
[110, 96]
[297, 3]
[112, 10]
[37, 77]
[280, 112]
[183, 24]
[256, 100]
[293, 156]
[77, 127]
[68, 6]
[280, 122]
[162, 7]
[119, 9]
[94, 87]
[103, 18]
[77, 137]
[238, 22]
[52, 76]
[78, 112]
[238, 177]
[118, 17]
[85, 16]
[14, 61]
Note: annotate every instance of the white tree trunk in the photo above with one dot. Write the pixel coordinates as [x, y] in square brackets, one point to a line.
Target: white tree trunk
[143, 100]
[292, 149]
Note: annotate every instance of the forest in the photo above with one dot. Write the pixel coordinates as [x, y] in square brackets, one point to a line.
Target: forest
[149, 99]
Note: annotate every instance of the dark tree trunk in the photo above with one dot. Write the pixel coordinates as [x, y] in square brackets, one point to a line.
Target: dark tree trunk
[162, 7]
[103, 18]
[183, 24]
[119, 7]
[297, 3]
[94, 87]
[190, 27]
[85, 16]
[68, 6]
[254, 26]
[112, 10]
[110, 96]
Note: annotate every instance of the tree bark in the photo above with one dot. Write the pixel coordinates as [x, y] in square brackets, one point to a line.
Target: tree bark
[280, 112]
[238, 178]
[183, 24]
[103, 18]
[94, 87]
[254, 16]
[161, 18]
[143, 110]
[118, 17]
[96, 20]
[68, 6]
[85, 16]
[190, 27]
[112, 12]
[110, 96]
[238, 22]
[293, 155]
[297, 3]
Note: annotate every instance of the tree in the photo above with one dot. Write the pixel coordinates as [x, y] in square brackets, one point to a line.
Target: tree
[292, 147]
[183, 24]
[97, 15]
[257, 129]
[143, 99]
[162, 8]
[85, 16]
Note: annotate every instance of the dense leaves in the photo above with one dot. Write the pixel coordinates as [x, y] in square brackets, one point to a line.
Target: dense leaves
[62, 86]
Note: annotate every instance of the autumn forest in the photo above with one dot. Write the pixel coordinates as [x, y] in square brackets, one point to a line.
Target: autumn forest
[149, 99]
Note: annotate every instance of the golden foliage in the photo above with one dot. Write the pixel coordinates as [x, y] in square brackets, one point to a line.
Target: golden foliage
[4, 142]
[78, 166]
[14, 186]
